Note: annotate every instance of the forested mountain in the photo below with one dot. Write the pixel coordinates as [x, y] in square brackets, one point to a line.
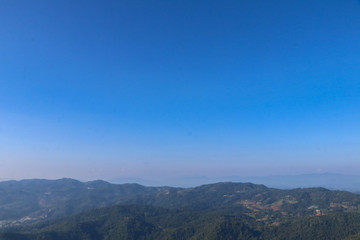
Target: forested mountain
[34, 200]
[30, 209]
[332, 181]
[37, 199]
[145, 222]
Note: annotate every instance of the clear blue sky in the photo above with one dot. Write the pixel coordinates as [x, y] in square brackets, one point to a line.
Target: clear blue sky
[102, 89]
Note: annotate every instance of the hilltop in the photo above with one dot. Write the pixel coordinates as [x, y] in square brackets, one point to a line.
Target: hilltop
[31, 201]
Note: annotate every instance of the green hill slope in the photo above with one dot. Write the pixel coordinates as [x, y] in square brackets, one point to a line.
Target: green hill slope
[136, 222]
[29, 201]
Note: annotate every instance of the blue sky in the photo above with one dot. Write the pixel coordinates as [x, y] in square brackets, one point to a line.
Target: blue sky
[103, 89]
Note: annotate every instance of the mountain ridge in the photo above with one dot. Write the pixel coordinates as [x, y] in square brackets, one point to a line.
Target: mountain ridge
[38, 199]
[333, 181]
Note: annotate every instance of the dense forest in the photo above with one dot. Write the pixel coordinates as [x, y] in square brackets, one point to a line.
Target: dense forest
[146, 222]
[99, 210]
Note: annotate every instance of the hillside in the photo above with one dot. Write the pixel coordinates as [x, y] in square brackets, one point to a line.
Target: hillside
[332, 181]
[145, 222]
[31, 201]
[37, 199]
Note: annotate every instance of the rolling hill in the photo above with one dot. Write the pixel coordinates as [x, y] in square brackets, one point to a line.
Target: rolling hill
[33, 200]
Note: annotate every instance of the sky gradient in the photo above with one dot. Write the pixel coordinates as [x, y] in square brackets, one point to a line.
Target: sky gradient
[104, 89]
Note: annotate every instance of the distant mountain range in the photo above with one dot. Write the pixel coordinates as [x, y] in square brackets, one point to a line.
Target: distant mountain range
[327, 180]
[136, 222]
[36, 200]
[331, 181]
[40, 209]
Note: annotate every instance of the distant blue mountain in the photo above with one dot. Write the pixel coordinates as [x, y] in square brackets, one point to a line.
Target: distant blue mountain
[331, 181]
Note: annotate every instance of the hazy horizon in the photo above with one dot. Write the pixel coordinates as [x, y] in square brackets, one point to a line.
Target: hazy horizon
[158, 89]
